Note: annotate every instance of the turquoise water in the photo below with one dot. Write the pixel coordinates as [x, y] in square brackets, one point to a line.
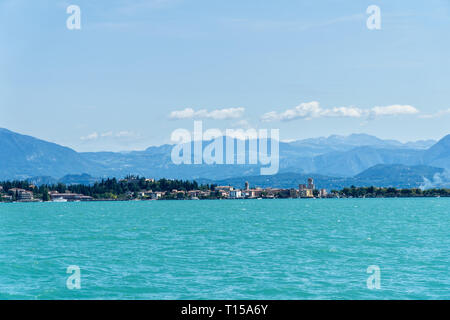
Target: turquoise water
[253, 249]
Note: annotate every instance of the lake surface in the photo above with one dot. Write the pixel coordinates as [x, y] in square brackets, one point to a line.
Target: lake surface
[240, 249]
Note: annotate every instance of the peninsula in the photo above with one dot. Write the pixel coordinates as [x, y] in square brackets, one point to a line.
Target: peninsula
[140, 188]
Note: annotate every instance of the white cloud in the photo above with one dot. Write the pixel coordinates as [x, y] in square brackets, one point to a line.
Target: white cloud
[435, 115]
[311, 110]
[107, 134]
[110, 135]
[393, 110]
[303, 111]
[218, 114]
[123, 134]
[351, 112]
[92, 136]
[270, 116]
[182, 114]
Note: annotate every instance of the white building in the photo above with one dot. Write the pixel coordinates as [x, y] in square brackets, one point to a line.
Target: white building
[323, 193]
[156, 195]
[235, 194]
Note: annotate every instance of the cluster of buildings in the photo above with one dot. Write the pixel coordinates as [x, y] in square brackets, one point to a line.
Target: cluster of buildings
[220, 192]
[17, 194]
[177, 194]
[229, 192]
[303, 191]
[22, 195]
[68, 196]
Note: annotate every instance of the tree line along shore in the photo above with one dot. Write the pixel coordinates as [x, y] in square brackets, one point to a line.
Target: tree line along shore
[140, 188]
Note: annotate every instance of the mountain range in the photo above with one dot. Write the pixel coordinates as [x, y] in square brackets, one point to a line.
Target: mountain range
[343, 157]
[397, 175]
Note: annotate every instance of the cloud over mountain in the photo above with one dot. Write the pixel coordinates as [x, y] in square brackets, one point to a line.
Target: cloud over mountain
[311, 110]
[393, 110]
[217, 114]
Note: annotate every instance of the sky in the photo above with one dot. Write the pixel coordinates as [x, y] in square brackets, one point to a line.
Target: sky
[138, 70]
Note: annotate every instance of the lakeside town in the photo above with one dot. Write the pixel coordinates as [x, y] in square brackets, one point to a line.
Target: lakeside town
[139, 188]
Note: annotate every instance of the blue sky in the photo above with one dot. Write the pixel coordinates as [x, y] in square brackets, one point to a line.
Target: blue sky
[137, 70]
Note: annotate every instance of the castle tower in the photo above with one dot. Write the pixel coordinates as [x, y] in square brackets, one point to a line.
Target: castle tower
[311, 183]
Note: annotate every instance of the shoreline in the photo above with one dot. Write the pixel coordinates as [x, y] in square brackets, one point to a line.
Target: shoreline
[243, 199]
[135, 188]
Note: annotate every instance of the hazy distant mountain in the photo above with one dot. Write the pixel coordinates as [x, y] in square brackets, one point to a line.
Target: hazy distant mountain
[439, 154]
[421, 144]
[353, 140]
[337, 156]
[282, 180]
[399, 176]
[40, 180]
[24, 156]
[84, 178]
[69, 179]
[354, 161]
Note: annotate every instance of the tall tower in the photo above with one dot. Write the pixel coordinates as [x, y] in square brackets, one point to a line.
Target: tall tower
[247, 185]
[311, 183]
